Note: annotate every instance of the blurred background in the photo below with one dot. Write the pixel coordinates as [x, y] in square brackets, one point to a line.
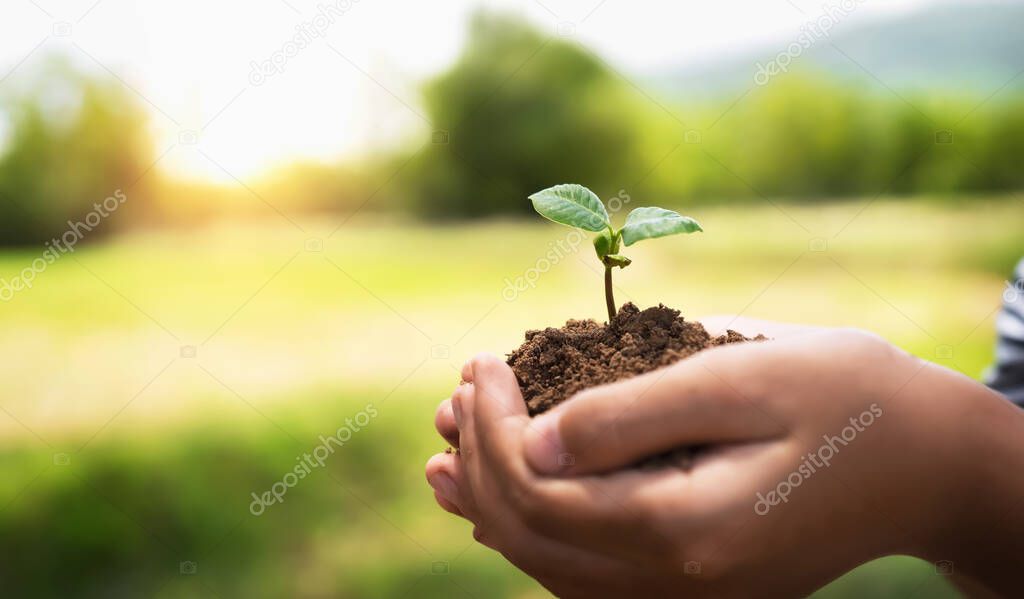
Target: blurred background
[227, 228]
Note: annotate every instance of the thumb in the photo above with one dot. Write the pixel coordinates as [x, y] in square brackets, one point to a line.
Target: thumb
[498, 406]
[497, 389]
[617, 425]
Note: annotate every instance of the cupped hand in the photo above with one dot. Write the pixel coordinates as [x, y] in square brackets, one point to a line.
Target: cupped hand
[815, 451]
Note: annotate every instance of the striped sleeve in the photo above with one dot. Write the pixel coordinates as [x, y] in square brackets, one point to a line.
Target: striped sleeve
[1007, 375]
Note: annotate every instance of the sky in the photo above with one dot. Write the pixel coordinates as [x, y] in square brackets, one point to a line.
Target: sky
[217, 115]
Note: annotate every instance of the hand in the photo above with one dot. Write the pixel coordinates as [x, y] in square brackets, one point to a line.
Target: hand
[820, 450]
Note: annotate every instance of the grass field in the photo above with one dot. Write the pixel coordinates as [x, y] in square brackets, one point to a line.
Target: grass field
[153, 381]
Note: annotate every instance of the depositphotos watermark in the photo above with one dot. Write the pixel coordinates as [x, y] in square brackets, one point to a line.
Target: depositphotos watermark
[1014, 291]
[817, 460]
[557, 251]
[58, 246]
[305, 33]
[308, 461]
[810, 32]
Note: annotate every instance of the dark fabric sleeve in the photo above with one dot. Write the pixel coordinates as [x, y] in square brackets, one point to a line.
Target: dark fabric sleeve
[1007, 375]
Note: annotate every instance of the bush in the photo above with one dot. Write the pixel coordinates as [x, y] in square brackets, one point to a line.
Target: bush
[72, 142]
[523, 112]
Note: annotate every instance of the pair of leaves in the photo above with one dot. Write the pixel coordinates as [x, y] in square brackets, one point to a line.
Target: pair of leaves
[576, 206]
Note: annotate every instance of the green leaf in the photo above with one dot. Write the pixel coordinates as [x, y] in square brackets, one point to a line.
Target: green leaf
[617, 260]
[651, 222]
[603, 244]
[572, 205]
[606, 243]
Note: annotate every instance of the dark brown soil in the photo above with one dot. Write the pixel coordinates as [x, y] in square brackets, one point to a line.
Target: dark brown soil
[553, 364]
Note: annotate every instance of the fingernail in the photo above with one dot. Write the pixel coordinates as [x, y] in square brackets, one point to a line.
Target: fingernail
[443, 484]
[545, 451]
[457, 411]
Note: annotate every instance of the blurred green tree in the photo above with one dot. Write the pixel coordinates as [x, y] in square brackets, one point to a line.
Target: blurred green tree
[71, 140]
[520, 111]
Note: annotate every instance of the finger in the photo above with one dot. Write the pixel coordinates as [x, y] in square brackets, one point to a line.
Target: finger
[448, 506]
[617, 425]
[446, 474]
[563, 569]
[612, 515]
[475, 481]
[752, 327]
[462, 411]
[499, 420]
[444, 422]
[499, 402]
[440, 476]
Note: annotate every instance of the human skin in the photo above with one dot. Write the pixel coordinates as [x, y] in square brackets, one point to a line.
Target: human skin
[934, 471]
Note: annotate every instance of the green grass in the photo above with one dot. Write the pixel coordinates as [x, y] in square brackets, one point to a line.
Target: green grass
[288, 346]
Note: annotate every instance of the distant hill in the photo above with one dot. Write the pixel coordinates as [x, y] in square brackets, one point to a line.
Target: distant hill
[947, 47]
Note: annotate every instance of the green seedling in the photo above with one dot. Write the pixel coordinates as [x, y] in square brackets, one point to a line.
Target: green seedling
[576, 206]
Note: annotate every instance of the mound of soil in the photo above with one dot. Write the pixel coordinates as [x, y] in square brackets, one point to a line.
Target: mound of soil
[553, 364]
